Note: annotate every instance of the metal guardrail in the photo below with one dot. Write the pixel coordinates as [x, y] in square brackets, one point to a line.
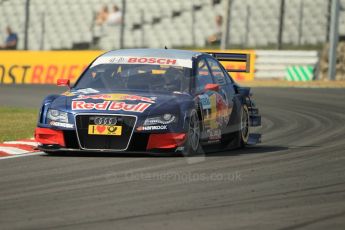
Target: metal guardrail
[273, 63]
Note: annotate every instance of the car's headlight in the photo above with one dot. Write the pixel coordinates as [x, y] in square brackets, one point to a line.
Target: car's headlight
[163, 119]
[56, 115]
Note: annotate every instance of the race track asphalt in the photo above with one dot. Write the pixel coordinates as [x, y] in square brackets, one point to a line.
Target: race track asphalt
[295, 179]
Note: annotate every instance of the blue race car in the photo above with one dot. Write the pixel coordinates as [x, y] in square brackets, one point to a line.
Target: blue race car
[150, 100]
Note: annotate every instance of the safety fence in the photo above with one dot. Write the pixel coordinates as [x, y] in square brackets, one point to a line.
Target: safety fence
[43, 67]
[289, 65]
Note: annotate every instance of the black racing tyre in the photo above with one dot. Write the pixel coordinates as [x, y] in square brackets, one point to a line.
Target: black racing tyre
[239, 138]
[192, 145]
[244, 126]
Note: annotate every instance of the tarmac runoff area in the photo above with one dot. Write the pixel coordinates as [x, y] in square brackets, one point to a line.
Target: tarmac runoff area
[295, 179]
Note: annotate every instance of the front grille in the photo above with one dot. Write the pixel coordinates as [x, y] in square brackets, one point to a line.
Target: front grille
[71, 140]
[103, 142]
[139, 142]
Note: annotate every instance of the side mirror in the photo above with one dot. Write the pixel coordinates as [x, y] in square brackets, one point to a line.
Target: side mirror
[212, 87]
[63, 82]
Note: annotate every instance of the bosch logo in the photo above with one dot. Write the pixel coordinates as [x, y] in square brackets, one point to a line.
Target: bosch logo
[105, 120]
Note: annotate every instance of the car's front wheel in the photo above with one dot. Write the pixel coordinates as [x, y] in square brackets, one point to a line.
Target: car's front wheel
[192, 145]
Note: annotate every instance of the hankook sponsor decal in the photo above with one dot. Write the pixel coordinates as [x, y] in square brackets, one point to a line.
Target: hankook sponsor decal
[154, 127]
[60, 124]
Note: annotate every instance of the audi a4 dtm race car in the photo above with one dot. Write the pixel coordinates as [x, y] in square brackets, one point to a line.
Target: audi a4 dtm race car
[149, 100]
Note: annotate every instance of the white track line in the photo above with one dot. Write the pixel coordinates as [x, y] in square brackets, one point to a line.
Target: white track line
[13, 150]
[22, 155]
[31, 143]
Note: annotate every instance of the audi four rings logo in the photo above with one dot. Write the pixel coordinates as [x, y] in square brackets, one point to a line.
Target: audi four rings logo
[105, 120]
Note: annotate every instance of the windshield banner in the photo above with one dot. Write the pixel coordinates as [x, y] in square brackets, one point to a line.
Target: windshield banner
[143, 60]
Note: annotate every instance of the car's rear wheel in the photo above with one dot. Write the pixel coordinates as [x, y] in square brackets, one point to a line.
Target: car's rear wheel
[244, 128]
[192, 145]
[239, 138]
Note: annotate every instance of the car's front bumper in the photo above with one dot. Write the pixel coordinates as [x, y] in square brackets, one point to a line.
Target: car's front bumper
[66, 140]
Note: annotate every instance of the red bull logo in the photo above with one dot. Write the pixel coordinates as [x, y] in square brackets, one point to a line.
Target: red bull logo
[115, 97]
[110, 106]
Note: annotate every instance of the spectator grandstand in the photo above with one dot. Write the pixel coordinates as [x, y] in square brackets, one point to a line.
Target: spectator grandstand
[65, 24]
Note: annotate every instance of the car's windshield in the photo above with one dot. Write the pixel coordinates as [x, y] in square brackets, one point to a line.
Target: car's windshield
[143, 77]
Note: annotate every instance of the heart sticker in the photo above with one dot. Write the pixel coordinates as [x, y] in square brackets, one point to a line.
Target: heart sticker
[101, 128]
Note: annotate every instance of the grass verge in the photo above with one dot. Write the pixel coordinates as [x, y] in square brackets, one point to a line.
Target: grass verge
[17, 123]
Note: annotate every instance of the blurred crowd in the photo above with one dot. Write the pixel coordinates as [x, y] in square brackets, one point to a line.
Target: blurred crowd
[11, 40]
[105, 18]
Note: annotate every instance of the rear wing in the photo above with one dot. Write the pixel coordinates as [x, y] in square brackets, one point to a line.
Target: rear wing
[233, 57]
